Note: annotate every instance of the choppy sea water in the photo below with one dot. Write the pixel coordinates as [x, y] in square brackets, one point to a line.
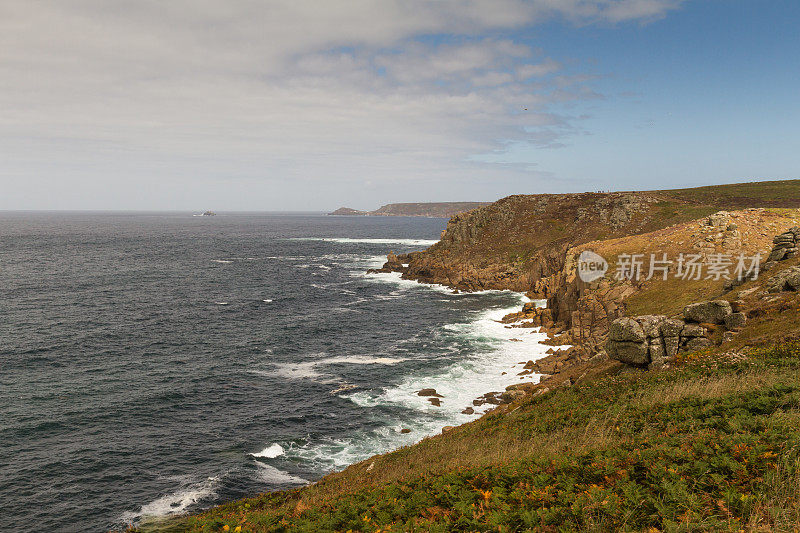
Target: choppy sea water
[159, 363]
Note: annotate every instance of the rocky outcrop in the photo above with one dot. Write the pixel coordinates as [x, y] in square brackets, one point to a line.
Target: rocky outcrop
[713, 312]
[785, 280]
[521, 239]
[652, 340]
[394, 263]
[785, 246]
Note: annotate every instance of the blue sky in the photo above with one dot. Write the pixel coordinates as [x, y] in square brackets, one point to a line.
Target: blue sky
[238, 105]
[707, 94]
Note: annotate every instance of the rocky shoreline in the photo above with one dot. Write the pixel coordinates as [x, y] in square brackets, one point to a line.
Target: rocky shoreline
[586, 325]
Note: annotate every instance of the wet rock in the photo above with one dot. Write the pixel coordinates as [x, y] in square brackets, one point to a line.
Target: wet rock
[405, 430]
[429, 392]
[468, 411]
[436, 402]
[511, 395]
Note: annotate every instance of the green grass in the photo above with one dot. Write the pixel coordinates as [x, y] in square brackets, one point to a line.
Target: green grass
[707, 446]
[784, 193]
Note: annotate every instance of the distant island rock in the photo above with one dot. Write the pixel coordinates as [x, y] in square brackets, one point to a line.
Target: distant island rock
[347, 211]
[424, 209]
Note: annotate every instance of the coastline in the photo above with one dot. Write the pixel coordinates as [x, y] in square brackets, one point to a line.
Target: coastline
[463, 391]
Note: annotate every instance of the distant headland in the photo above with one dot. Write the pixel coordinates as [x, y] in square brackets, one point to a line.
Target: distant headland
[425, 209]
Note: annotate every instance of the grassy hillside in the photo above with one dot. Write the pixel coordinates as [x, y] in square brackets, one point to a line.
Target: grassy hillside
[739, 195]
[711, 444]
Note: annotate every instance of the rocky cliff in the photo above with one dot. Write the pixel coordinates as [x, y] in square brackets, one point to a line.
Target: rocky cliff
[531, 243]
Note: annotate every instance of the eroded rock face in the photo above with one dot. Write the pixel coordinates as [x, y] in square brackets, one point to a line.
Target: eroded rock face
[713, 312]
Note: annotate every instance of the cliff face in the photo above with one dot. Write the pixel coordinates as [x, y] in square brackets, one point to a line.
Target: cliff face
[530, 243]
[516, 241]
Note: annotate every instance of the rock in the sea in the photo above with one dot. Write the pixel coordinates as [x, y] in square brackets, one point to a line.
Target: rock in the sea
[468, 411]
[436, 402]
[429, 392]
[405, 430]
[713, 312]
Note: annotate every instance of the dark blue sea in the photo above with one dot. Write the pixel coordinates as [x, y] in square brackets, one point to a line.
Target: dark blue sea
[159, 363]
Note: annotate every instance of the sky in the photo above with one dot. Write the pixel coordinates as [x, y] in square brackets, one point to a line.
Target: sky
[312, 105]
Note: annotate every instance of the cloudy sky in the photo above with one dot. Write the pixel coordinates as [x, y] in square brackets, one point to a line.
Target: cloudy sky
[312, 104]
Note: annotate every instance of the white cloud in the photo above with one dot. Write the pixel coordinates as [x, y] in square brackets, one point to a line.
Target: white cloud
[278, 90]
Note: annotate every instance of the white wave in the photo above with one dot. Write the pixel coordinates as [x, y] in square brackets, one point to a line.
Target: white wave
[267, 301]
[221, 303]
[348, 240]
[465, 380]
[270, 474]
[363, 360]
[176, 502]
[270, 452]
[223, 261]
[313, 369]
[492, 370]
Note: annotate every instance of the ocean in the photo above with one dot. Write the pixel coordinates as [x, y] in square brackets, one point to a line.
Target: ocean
[159, 363]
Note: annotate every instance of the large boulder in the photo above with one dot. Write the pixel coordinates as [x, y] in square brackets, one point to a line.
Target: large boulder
[671, 327]
[693, 330]
[735, 321]
[697, 343]
[713, 312]
[626, 330]
[628, 352]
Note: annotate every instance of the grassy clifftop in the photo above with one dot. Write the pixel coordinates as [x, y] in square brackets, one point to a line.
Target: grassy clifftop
[515, 241]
